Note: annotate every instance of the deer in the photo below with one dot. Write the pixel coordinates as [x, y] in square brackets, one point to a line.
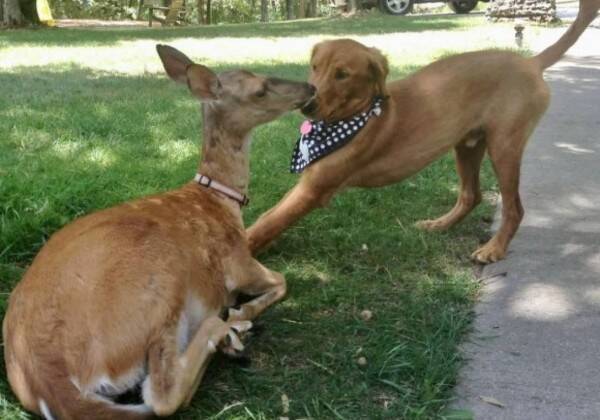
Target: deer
[142, 295]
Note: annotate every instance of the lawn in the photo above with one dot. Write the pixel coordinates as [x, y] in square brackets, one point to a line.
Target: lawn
[88, 120]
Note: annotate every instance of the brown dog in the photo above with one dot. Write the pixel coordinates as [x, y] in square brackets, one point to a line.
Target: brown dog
[470, 102]
[134, 295]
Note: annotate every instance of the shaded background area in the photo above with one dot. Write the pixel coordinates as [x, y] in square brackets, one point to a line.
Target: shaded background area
[376, 24]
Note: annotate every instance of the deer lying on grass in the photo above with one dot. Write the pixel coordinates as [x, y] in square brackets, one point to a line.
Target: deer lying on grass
[133, 295]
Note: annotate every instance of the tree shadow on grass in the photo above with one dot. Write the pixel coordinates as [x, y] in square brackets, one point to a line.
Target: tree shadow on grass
[375, 24]
[77, 140]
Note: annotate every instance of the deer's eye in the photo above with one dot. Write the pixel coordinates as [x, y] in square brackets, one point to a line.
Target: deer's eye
[261, 93]
[341, 74]
[314, 68]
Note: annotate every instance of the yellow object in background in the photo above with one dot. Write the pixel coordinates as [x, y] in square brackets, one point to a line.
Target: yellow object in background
[44, 12]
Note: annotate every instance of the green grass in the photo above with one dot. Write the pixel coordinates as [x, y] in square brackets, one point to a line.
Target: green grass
[376, 23]
[77, 136]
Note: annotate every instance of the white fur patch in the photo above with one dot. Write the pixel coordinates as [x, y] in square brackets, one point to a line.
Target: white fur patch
[45, 410]
[136, 408]
[75, 382]
[110, 387]
[471, 142]
[211, 346]
[189, 321]
[183, 332]
[147, 392]
[235, 313]
[230, 284]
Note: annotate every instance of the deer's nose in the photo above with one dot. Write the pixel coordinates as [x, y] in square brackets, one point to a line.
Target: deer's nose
[312, 89]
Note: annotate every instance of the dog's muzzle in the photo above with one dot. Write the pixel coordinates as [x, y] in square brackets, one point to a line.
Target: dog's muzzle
[310, 107]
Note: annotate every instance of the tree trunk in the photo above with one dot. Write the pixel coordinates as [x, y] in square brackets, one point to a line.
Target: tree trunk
[352, 6]
[29, 11]
[264, 11]
[208, 19]
[302, 9]
[312, 8]
[201, 14]
[141, 10]
[289, 9]
[11, 13]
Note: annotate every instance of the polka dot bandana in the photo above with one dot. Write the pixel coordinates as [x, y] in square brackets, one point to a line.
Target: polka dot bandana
[318, 139]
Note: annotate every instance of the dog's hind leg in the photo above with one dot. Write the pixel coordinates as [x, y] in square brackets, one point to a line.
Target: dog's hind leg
[506, 160]
[468, 163]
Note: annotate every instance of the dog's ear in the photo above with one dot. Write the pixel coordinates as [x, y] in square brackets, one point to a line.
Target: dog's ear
[314, 50]
[378, 66]
[201, 80]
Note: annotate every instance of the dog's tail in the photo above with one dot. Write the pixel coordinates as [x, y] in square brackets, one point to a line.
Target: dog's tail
[588, 10]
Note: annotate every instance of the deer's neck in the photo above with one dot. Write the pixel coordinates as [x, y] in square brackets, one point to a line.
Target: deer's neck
[225, 150]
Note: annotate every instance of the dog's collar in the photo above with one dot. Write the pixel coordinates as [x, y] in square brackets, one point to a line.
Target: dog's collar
[318, 138]
[208, 182]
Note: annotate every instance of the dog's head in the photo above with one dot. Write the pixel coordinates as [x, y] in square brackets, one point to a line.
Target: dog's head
[347, 76]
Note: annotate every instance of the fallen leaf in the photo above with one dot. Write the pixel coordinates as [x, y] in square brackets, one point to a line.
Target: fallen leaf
[366, 315]
[491, 401]
[285, 402]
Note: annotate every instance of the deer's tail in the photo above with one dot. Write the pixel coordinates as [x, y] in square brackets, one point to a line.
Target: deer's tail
[56, 397]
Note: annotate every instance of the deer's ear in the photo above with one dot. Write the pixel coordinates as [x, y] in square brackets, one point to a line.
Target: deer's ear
[201, 80]
[203, 83]
[175, 62]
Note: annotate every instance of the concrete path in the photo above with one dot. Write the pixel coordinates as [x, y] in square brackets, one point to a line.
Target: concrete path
[535, 349]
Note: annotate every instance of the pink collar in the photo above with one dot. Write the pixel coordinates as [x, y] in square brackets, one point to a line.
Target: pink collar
[207, 182]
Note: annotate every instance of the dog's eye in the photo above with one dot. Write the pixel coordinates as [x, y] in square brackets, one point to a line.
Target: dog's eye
[260, 93]
[341, 74]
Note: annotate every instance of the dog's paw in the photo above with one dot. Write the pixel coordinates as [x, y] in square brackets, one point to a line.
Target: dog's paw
[489, 253]
[433, 225]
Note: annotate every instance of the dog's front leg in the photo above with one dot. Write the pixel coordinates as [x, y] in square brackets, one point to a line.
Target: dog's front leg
[299, 201]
